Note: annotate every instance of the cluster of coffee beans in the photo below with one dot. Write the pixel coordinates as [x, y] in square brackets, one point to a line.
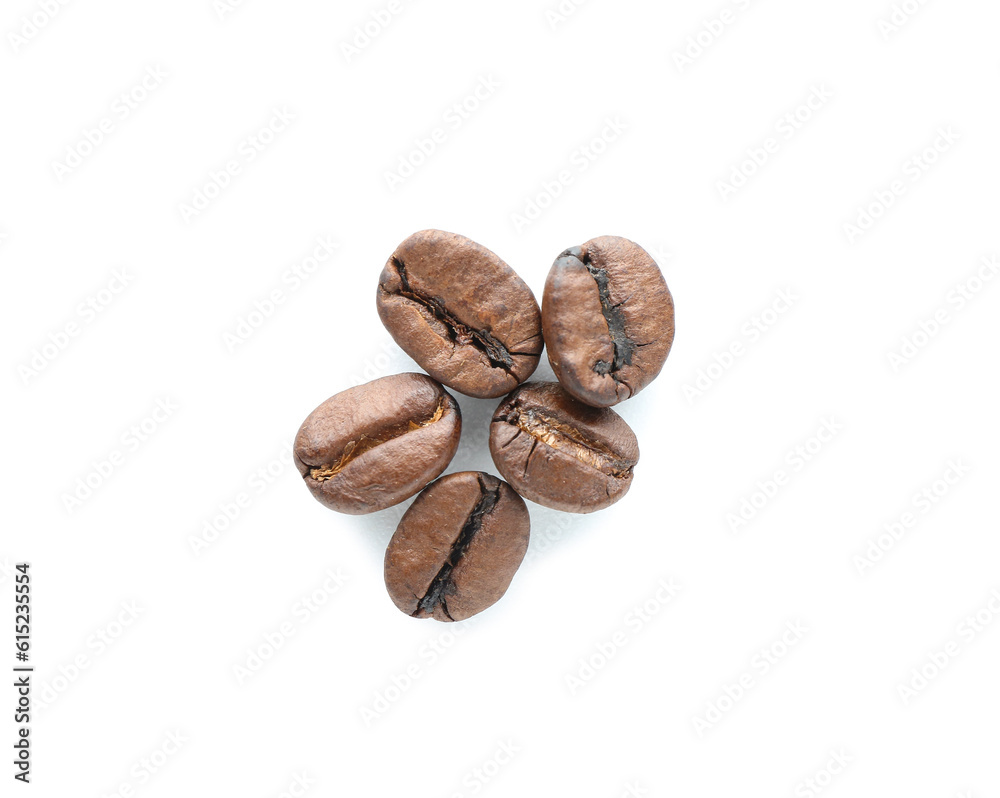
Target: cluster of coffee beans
[607, 320]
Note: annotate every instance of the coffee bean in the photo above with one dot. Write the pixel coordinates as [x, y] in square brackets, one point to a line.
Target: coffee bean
[562, 453]
[371, 447]
[461, 313]
[608, 320]
[457, 547]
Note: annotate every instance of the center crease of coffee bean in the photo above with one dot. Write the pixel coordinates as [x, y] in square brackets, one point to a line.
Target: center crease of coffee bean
[442, 586]
[567, 439]
[459, 333]
[615, 317]
[354, 449]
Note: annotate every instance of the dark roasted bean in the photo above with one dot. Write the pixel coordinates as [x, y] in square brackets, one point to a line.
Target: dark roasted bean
[457, 547]
[562, 453]
[608, 320]
[373, 446]
[461, 313]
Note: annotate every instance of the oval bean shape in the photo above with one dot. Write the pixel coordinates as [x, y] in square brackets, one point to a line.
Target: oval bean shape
[461, 313]
[457, 547]
[608, 320]
[561, 453]
[371, 447]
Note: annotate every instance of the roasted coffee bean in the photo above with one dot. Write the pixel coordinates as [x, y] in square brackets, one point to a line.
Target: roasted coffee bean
[562, 453]
[371, 447]
[608, 320]
[461, 313]
[457, 547]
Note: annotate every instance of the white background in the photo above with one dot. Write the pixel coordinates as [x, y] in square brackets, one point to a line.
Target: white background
[360, 698]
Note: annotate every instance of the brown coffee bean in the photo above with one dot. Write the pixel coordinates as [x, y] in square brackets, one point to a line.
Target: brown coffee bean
[371, 447]
[461, 313]
[608, 320]
[562, 453]
[457, 547]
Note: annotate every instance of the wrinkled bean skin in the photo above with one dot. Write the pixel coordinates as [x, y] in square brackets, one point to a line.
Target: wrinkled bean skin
[373, 446]
[561, 453]
[461, 313]
[608, 320]
[457, 547]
